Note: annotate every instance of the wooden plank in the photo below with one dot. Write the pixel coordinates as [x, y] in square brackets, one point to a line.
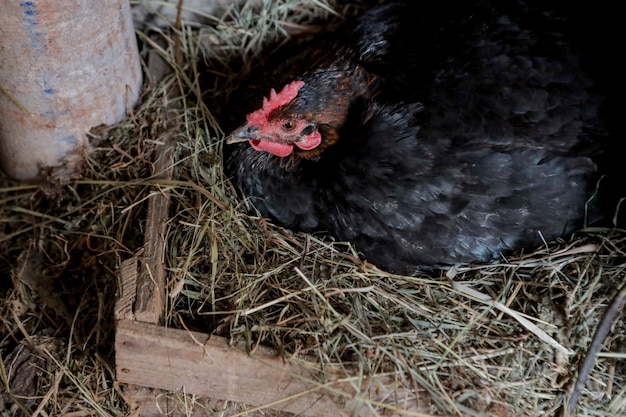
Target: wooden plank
[177, 360]
[196, 363]
[150, 298]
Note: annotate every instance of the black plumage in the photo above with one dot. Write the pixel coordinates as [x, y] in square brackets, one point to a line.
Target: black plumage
[447, 133]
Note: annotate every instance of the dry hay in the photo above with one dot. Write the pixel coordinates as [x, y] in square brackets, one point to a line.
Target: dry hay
[499, 339]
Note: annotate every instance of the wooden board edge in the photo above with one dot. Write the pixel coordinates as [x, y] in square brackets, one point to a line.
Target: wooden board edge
[196, 363]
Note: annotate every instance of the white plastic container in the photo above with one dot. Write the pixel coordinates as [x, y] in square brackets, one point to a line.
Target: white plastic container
[65, 67]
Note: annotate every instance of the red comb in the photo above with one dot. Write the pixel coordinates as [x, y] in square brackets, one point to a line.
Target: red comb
[288, 93]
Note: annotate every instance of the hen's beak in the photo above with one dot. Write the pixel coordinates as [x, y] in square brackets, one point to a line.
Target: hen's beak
[259, 142]
[244, 133]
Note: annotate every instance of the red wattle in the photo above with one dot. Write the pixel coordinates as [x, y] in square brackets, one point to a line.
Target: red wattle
[278, 149]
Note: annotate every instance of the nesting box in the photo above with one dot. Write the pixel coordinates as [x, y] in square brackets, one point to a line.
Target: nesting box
[150, 356]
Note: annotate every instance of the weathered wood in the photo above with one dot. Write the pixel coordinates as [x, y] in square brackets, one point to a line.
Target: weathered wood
[152, 402]
[177, 360]
[128, 290]
[150, 300]
[195, 363]
[150, 297]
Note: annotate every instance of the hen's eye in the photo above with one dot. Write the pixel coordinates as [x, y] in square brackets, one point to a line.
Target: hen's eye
[289, 126]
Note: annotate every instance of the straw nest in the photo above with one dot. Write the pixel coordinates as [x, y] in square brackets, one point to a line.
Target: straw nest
[502, 339]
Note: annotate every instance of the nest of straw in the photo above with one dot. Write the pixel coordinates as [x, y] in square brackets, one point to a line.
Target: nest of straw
[505, 338]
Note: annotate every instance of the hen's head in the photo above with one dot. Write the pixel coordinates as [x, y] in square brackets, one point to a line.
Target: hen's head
[275, 129]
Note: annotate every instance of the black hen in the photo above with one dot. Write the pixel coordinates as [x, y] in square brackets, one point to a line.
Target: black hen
[428, 137]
